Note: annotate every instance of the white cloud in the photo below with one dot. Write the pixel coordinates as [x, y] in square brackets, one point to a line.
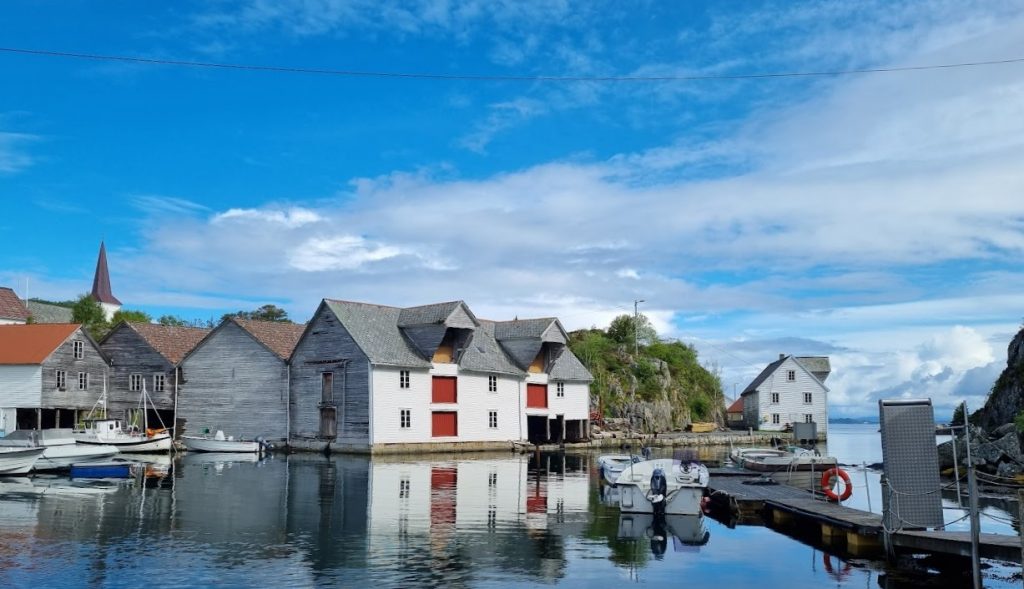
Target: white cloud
[14, 156]
[346, 252]
[291, 218]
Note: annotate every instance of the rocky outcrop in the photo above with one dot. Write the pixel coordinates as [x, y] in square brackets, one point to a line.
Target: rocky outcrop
[998, 453]
[1007, 398]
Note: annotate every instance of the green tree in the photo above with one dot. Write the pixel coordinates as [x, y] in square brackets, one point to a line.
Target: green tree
[89, 313]
[131, 316]
[623, 327]
[264, 313]
[172, 321]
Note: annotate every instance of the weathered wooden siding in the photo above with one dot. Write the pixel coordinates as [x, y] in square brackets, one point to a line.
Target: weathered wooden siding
[130, 354]
[576, 402]
[328, 347]
[63, 358]
[233, 383]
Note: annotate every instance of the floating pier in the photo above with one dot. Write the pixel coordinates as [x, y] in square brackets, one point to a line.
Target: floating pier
[738, 491]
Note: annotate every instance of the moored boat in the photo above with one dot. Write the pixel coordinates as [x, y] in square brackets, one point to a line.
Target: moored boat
[18, 460]
[60, 449]
[221, 443]
[663, 485]
[102, 470]
[612, 465]
[110, 432]
[796, 467]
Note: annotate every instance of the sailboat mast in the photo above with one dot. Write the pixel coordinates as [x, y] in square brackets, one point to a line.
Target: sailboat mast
[145, 414]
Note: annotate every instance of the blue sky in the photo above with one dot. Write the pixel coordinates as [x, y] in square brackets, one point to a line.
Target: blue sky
[876, 218]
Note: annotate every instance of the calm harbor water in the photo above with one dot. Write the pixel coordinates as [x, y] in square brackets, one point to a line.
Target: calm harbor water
[461, 521]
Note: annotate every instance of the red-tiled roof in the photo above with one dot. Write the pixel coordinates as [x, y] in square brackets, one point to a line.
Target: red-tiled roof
[31, 344]
[280, 337]
[736, 407]
[11, 306]
[172, 342]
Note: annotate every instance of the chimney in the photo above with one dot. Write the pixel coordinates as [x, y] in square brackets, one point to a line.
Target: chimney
[782, 356]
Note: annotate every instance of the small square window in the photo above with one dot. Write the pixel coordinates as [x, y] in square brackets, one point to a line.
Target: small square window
[403, 379]
[492, 384]
[775, 418]
[492, 419]
[560, 389]
[83, 381]
[775, 397]
[79, 350]
[134, 382]
[808, 399]
[405, 418]
[791, 375]
[62, 380]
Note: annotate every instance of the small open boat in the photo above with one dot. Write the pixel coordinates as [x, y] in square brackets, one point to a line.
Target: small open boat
[221, 443]
[18, 460]
[612, 465]
[793, 466]
[59, 448]
[663, 485]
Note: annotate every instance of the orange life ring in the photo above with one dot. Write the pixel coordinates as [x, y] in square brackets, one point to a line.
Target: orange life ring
[826, 484]
[843, 572]
[152, 432]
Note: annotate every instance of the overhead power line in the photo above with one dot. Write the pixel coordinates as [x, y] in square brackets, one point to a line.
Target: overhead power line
[491, 77]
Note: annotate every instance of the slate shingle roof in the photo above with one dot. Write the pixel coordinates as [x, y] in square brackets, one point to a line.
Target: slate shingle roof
[11, 306]
[375, 330]
[815, 363]
[32, 344]
[485, 354]
[172, 342]
[47, 313]
[522, 328]
[279, 337]
[568, 367]
[768, 370]
[426, 314]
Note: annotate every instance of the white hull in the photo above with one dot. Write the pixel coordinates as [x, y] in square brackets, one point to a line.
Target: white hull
[686, 484]
[130, 443]
[200, 444]
[681, 501]
[61, 457]
[18, 460]
[612, 465]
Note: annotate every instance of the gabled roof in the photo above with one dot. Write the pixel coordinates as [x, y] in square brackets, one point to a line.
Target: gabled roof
[375, 330]
[736, 407]
[815, 363]
[279, 337]
[484, 354]
[11, 306]
[568, 367]
[529, 329]
[47, 313]
[768, 370]
[32, 344]
[170, 341]
[438, 313]
[101, 281]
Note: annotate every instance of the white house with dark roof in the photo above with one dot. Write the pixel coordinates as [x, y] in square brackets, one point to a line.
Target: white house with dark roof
[377, 378]
[790, 390]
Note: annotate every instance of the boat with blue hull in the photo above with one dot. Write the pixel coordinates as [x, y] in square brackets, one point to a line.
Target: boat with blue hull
[102, 470]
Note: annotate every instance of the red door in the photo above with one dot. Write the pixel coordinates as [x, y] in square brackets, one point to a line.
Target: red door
[444, 390]
[537, 395]
[445, 424]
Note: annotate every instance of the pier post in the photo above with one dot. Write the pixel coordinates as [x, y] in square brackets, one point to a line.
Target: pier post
[830, 534]
[860, 545]
[1020, 518]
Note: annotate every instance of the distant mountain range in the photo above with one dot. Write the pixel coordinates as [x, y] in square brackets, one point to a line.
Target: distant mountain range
[853, 419]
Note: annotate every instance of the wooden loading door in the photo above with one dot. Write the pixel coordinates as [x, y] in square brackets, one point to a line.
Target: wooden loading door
[537, 395]
[444, 424]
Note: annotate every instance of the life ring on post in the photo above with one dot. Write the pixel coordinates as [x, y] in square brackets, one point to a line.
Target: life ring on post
[826, 484]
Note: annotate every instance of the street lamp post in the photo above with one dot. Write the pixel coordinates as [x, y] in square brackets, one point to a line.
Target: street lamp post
[636, 327]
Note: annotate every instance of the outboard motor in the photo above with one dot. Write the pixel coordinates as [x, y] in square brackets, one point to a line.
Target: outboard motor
[265, 446]
[646, 452]
[659, 490]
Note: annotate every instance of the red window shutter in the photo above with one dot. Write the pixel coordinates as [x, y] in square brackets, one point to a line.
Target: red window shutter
[444, 390]
[537, 395]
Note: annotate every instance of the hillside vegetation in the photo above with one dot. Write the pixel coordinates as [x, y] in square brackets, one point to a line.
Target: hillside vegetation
[660, 387]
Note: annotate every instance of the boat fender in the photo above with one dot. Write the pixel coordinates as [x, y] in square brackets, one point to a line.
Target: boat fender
[826, 484]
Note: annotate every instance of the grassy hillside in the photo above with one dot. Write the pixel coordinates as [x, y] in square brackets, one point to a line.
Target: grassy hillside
[662, 387]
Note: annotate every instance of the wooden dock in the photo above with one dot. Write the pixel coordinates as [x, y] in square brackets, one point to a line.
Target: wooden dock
[739, 492]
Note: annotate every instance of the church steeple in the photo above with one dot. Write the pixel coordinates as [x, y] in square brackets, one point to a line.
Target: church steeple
[101, 285]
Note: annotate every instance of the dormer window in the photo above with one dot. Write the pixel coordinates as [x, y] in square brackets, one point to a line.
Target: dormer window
[79, 350]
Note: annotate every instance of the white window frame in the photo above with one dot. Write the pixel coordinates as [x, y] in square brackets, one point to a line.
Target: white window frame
[159, 382]
[808, 398]
[791, 376]
[405, 418]
[560, 390]
[492, 384]
[775, 398]
[776, 419]
[403, 379]
[808, 417]
[79, 349]
[83, 381]
[135, 381]
[492, 419]
[61, 380]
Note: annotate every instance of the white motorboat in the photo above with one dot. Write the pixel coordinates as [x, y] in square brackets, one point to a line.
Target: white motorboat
[59, 448]
[793, 466]
[112, 432]
[18, 460]
[612, 465]
[664, 485]
[221, 443]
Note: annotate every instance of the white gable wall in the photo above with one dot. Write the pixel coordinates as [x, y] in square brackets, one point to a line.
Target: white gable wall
[791, 407]
[574, 405]
[22, 386]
